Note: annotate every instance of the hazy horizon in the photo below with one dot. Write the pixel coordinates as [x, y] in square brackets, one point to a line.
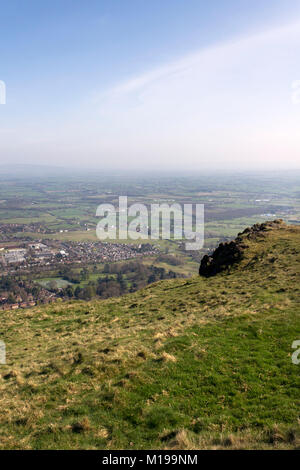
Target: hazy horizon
[45, 170]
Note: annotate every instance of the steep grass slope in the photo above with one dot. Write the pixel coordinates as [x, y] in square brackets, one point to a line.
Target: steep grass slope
[198, 363]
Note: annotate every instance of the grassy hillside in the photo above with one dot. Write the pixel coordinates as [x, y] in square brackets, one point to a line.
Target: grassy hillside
[197, 363]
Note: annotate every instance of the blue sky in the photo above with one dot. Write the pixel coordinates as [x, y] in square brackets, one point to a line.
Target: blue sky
[138, 84]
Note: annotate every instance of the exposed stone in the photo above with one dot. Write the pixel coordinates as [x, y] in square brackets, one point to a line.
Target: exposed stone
[224, 256]
[229, 253]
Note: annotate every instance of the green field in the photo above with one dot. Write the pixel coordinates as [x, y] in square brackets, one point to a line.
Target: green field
[60, 283]
[231, 201]
[182, 364]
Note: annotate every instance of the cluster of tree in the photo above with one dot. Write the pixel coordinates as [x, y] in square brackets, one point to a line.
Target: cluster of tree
[169, 259]
[119, 279]
[13, 290]
[123, 268]
[74, 276]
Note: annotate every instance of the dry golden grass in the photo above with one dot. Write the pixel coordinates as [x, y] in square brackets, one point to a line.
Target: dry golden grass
[79, 372]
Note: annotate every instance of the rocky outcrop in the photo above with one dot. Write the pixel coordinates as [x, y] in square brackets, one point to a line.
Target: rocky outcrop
[258, 229]
[224, 256]
[229, 253]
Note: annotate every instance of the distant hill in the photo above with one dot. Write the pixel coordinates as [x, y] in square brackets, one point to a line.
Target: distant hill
[41, 171]
[197, 363]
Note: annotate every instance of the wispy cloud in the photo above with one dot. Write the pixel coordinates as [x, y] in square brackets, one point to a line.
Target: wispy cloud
[225, 106]
[200, 58]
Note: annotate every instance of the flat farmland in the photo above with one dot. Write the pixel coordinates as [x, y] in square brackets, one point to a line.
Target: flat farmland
[64, 207]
